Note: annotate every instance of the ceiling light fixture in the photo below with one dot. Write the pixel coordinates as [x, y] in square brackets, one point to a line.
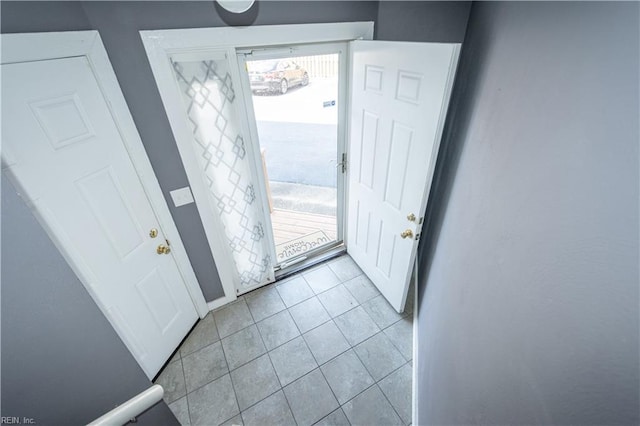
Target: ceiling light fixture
[236, 6]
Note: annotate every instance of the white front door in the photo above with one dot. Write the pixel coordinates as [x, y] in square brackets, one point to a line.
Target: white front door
[64, 152]
[399, 99]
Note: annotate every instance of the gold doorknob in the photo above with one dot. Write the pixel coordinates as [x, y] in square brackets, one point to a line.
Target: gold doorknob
[407, 233]
[411, 217]
[162, 249]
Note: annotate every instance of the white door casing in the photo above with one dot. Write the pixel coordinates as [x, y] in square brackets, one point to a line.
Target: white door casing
[69, 152]
[399, 97]
[162, 45]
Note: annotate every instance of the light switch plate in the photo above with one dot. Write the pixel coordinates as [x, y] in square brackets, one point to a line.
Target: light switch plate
[181, 196]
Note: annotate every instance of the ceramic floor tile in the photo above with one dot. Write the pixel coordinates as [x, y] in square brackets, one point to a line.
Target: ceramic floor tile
[345, 268]
[326, 342]
[379, 355]
[411, 298]
[292, 360]
[309, 314]
[278, 329]
[381, 312]
[371, 408]
[203, 334]
[254, 381]
[401, 334]
[172, 381]
[294, 291]
[203, 366]
[337, 418]
[321, 279]
[356, 325]
[180, 409]
[273, 410]
[213, 403]
[242, 347]
[264, 302]
[337, 300]
[310, 398]
[346, 376]
[233, 317]
[397, 388]
[361, 288]
[236, 421]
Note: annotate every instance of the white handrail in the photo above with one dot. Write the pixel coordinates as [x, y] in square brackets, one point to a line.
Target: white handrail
[129, 410]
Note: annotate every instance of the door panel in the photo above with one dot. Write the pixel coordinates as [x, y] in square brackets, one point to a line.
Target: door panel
[69, 162]
[399, 100]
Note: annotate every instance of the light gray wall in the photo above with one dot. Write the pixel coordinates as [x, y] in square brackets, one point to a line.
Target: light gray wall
[429, 21]
[62, 362]
[529, 306]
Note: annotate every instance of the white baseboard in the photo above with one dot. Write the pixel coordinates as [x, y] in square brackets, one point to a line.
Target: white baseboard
[414, 381]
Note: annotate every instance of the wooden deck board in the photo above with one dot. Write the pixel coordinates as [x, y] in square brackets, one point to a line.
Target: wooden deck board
[289, 225]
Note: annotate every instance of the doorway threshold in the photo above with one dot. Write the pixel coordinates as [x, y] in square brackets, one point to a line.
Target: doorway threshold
[322, 255]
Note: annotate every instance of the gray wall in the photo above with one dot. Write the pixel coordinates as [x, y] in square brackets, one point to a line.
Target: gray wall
[62, 362]
[430, 21]
[529, 307]
[118, 24]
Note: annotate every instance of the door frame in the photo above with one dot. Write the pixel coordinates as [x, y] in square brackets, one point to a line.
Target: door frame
[161, 45]
[29, 47]
[292, 50]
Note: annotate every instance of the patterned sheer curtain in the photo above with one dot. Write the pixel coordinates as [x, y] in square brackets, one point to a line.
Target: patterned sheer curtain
[208, 94]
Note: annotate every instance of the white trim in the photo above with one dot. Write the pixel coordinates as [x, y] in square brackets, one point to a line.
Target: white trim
[221, 301]
[160, 45]
[42, 46]
[170, 41]
[414, 372]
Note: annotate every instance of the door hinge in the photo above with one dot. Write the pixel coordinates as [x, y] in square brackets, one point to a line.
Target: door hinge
[343, 164]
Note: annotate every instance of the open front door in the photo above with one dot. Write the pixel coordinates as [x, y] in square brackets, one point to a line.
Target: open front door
[399, 97]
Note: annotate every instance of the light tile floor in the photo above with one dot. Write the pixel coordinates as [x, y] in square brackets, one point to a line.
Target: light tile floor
[322, 347]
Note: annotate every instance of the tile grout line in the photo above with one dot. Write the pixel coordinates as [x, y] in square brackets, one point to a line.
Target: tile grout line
[229, 371]
[268, 354]
[385, 395]
[275, 286]
[184, 376]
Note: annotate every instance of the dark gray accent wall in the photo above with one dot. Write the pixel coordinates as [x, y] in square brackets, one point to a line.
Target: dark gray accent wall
[529, 296]
[427, 21]
[26, 17]
[62, 362]
[119, 24]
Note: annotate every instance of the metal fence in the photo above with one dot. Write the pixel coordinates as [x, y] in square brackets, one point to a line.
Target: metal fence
[319, 66]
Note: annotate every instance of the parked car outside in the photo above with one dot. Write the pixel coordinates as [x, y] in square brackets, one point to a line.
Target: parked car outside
[276, 76]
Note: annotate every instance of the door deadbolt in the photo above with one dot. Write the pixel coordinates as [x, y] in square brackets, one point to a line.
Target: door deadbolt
[153, 233]
[411, 217]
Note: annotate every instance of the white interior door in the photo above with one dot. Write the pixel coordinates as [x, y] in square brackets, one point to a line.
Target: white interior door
[64, 152]
[399, 98]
